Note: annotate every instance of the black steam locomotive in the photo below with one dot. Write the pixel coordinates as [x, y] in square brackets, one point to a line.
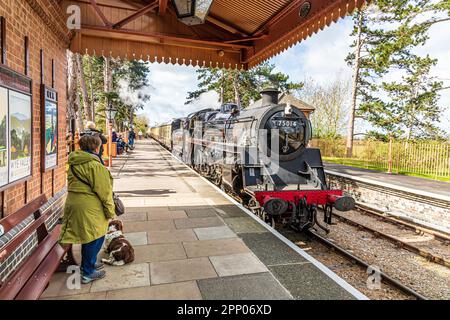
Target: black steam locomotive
[261, 156]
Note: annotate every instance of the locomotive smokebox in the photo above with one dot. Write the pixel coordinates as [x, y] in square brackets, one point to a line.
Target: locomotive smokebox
[269, 96]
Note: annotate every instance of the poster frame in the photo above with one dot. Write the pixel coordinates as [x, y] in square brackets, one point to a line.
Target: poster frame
[51, 95]
[24, 85]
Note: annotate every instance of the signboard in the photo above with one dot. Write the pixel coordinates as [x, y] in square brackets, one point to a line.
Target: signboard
[19, 135]
[15, 126]
[50, 128]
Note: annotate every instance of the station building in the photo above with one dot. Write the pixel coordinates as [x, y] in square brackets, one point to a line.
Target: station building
[34, 40]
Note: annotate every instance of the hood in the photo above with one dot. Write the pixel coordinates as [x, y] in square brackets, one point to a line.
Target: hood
[80, 157]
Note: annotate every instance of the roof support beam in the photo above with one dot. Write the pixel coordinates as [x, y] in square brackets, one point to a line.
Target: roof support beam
[247, 39]
[163, 6]
[136, 15]
[99, 13]
[224, 26]
[152, 36]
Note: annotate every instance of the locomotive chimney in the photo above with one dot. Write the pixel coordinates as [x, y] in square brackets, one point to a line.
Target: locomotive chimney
[269, 96]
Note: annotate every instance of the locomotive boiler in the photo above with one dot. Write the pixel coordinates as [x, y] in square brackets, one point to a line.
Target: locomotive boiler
[260, 155]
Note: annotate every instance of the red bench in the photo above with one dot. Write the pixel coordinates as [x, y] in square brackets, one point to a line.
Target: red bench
[29, 280]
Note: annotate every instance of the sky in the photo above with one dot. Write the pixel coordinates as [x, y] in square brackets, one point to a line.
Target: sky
[319, 58]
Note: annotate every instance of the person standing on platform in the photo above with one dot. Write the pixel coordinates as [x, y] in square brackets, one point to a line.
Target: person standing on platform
[114, 136]
[91, 130]
[131, 138]
[89, 206]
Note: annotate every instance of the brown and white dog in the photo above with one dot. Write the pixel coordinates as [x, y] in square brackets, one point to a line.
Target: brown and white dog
[120, 250]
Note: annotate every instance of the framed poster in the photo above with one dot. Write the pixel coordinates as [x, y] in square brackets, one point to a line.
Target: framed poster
[3, 137]
[20, 129]
[49, 124]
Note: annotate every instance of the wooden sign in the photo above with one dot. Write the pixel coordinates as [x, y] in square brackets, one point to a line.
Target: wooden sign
[15, 81]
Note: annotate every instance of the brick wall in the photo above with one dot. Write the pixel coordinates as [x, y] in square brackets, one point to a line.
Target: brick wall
[23, 19]
[424, 210]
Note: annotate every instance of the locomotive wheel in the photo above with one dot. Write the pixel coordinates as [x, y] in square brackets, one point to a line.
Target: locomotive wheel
[270, 220]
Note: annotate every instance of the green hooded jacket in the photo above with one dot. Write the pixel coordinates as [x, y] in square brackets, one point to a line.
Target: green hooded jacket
[87, 210]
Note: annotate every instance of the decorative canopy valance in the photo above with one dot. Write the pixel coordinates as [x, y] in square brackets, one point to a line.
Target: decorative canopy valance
[235, 33]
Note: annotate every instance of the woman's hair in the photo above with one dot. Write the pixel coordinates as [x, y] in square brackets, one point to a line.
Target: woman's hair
[90, 125]
[90, 142]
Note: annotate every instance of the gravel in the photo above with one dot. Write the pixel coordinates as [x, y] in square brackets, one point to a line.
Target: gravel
[427, 278]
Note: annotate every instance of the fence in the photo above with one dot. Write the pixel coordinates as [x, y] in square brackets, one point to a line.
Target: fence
[430, 159]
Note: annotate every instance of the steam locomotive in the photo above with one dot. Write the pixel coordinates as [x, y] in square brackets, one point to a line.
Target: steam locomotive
[259, 155]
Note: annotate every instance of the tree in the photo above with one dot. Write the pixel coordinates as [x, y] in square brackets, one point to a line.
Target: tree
[386, 35]
[122, 82]
[330, 101]
[241, 87]
[142, 124]
[83, 87]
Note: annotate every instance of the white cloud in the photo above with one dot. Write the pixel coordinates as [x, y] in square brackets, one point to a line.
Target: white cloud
[169, 88]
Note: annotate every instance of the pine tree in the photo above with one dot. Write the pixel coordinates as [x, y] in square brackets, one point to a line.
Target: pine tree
[241, 87]
[407, 107]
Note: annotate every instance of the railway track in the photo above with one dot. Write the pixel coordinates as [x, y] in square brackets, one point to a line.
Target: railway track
[384, 277]
[445, 238]
[427, 254]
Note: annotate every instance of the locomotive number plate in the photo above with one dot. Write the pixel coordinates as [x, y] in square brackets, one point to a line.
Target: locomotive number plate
[285, 123]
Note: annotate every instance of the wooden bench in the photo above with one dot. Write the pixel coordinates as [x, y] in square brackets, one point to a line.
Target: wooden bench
[33, 275]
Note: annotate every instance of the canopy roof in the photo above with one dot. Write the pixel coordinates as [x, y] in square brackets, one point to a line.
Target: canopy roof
[236, 34]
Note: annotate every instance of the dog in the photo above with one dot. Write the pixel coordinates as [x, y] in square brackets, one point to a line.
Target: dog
[120, 250]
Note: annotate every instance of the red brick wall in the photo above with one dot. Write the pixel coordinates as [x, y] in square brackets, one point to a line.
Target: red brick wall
[21, 21]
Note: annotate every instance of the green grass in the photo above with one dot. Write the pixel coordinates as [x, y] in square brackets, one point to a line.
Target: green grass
[365, 165]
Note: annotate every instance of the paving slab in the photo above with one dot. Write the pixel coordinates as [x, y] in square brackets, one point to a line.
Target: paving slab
[174, 291]
[208, 248]
[201, 213]
[237, 264]
[144, 209]
[148, 226]
[166, 215]
[134, 216]
[184, 207]
[82, 297]
[198, 223]
[58, 287]
[214, 233]
[137, 238]
[270, 250]
[229, 211]
[306, 282]
[260, 286]
[159, 252]
[181, 270]
[129, 276]
[171, 236]
[244, 225]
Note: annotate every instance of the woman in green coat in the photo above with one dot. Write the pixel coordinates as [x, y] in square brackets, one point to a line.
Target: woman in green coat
[89, 206]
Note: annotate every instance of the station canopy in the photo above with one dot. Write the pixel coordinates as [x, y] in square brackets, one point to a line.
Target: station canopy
[211, 33]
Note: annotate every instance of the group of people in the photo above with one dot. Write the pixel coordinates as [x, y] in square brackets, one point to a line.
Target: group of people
[123, 146]
[90, 205]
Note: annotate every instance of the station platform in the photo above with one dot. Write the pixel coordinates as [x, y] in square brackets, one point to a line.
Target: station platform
[193, 242]
[420, 186]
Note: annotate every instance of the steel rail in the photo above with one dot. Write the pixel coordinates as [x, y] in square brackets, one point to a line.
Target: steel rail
[350, 256]
[403, 244]
[380, 214]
